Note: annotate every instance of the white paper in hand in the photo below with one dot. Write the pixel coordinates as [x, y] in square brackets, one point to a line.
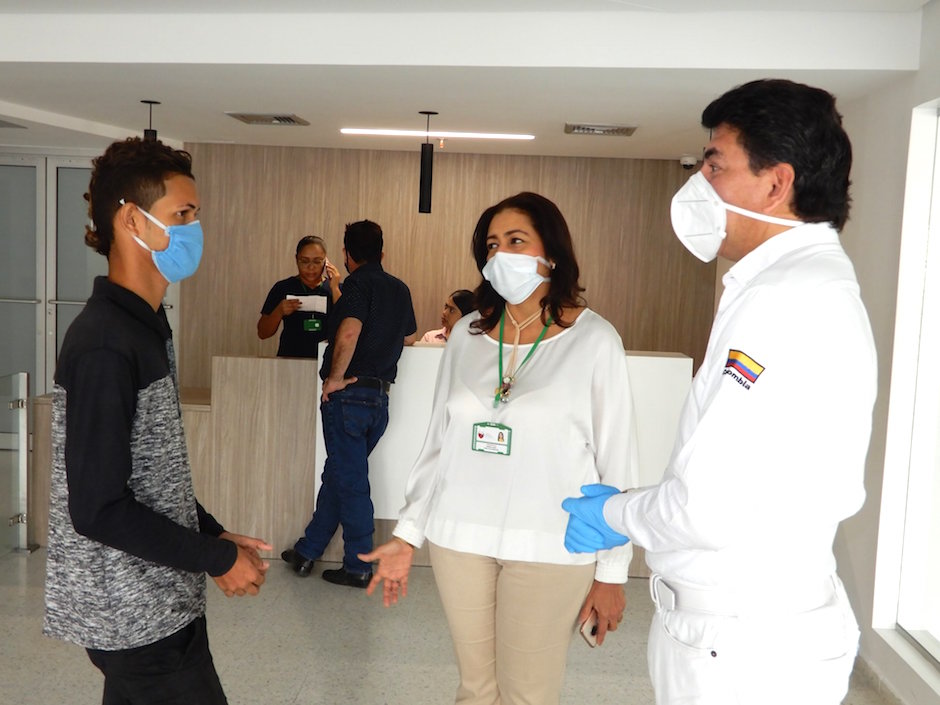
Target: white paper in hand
[316, 304]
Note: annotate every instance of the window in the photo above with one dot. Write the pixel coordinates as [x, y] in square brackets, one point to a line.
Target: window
[909, 538]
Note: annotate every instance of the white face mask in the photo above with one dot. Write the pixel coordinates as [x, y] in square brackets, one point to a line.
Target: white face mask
[699, 217]
[515, 276]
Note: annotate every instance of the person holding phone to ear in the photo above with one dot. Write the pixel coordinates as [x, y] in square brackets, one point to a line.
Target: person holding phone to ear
[303, 329]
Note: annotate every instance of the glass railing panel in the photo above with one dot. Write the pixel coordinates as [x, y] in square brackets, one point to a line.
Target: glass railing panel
[14, 448]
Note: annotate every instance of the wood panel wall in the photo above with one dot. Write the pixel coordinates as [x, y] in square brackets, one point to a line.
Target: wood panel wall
[258, 201]
[39, 477]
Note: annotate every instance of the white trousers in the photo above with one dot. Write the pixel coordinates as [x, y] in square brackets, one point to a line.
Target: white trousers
[771, 658]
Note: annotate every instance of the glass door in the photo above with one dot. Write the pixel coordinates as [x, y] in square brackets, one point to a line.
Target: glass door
[14, 448]
[22, 225]
[71, 266]
[46, 275]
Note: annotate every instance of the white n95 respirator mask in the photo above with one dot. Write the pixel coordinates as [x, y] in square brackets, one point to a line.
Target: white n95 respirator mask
[699, 217]
[514, 276]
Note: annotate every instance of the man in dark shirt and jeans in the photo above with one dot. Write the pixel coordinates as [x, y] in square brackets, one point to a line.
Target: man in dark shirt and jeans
[369, 326]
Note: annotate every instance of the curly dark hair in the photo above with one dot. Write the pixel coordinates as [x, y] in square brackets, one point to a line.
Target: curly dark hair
[782, 122]
[135, 170]
[564, 288]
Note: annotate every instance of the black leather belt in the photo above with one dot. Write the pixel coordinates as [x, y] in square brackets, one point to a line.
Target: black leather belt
[372, 383]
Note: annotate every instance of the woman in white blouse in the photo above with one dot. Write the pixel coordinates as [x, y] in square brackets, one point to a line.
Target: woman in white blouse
[532, 401]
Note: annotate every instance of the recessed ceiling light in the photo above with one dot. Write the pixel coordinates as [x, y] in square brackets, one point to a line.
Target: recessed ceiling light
[437, 134]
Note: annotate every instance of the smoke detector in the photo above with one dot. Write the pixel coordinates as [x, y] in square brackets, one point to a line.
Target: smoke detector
[285, 119]
[587, 129]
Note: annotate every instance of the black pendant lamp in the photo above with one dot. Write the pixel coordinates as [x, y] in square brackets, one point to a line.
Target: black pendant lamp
[427, 166]
[150, 135]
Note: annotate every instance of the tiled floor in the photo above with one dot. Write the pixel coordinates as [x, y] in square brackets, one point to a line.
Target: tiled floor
[306, 642]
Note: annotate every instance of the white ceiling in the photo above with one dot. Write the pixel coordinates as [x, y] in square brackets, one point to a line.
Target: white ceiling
[73, 74]
[439, 6]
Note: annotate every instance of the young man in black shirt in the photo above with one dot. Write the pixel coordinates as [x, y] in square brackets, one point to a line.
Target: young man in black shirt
[129, 545]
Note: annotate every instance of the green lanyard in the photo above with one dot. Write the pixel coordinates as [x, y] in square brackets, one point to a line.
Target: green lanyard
[505, 383]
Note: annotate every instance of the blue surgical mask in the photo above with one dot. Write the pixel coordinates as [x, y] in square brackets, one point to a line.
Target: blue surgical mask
[181, 257]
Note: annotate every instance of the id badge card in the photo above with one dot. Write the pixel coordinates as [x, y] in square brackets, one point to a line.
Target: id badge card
[492, 438]
[313, 324]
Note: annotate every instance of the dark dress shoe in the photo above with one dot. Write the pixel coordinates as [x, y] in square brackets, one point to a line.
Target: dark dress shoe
[302, 566]
[341, 576]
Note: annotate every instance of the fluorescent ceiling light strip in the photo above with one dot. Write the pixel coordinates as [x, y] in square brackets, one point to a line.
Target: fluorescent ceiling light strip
[435, 134]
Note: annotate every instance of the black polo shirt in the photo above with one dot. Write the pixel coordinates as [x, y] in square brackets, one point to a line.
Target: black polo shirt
[383, 304]
[295, 340]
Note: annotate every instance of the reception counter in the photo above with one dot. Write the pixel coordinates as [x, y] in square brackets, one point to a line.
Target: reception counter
[256, 447]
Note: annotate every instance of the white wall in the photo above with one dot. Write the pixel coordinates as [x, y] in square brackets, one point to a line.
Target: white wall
[880, 128]
[660, 383]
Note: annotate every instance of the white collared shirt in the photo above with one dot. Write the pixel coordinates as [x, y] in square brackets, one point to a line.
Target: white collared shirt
[770, 451]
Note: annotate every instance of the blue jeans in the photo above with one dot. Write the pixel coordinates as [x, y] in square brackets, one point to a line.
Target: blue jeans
[354, 420]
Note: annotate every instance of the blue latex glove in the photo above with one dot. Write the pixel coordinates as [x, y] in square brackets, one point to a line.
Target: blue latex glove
[587, 530]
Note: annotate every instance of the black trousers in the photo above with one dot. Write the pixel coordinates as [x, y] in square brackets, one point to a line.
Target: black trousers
[176, 670]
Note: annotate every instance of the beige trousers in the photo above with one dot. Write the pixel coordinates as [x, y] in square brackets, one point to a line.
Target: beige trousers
[511, 623]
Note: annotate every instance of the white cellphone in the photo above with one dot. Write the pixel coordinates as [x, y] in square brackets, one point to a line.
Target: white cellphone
[589, 630]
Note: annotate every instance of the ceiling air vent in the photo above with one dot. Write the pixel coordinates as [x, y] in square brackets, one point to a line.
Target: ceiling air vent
[4, 123]
[612, 130]
[268, 118]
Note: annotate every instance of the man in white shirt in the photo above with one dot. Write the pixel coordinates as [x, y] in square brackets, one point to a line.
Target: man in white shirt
[771, 446]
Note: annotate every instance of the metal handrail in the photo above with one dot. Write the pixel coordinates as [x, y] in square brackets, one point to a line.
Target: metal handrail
[64, 302]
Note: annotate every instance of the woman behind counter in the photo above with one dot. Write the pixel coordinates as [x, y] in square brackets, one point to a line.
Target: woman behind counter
[457, 305]
[303, 330]
[532, 401]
